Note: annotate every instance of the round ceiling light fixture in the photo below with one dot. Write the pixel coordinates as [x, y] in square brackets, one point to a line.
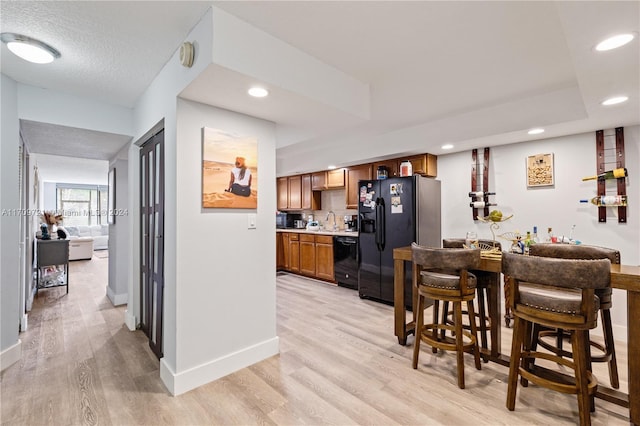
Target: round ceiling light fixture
[29, 49]
[535, 131]
[258, 92]
[331, 167]
[614, 42]
[615, 100]
[447, 146]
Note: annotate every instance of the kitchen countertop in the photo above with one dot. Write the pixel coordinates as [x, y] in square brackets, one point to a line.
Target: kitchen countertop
[341, 233]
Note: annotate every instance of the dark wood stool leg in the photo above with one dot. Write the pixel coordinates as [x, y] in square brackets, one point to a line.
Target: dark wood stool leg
[580, 341]
[457, 312]
[436, 320]
[482, 314]
[514, 363]
[474, 333]
[528, 345]
[609, 344]
[418, 332]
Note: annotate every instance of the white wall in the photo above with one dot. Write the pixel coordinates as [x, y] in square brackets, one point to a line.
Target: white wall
[10, 347]
[557, 206]
[225, 271]
[119, 249]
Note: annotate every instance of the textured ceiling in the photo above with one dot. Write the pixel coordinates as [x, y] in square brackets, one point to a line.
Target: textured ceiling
[473, 74]
[44, 138]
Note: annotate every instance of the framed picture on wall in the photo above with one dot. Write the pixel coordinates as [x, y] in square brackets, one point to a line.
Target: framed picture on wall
[111, 217]
[540, 170]
[229, 170]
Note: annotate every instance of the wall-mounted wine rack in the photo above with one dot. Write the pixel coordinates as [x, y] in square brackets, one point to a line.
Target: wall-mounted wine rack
[602, 165]
[475, 167]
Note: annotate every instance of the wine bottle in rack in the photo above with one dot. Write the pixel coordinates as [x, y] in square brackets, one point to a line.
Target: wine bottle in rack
[480, 194]
[481, 204]
[608, 200]
[609, 174]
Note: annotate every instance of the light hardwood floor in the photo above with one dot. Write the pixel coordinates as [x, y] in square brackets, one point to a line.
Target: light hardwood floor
[339, 363]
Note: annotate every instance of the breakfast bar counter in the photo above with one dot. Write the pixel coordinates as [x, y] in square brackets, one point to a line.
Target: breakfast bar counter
[624, 277]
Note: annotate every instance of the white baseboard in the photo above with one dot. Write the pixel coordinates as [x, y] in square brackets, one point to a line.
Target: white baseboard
[11, 355]
[178, 383]
[24, 322]
[130, 320]
[117, 299]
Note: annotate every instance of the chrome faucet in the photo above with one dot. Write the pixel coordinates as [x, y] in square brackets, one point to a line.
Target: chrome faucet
[335, 225]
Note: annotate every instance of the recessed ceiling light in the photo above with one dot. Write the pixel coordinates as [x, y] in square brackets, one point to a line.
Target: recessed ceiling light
[614, 42]
[535, 131]
[29, 49]
[615, 100]
[258, 92]
[331, 167]
[447, 146]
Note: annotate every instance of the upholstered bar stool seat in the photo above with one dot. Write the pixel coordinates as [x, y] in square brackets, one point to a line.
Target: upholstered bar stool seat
[443, 275]
[554, 293]
[604, 353]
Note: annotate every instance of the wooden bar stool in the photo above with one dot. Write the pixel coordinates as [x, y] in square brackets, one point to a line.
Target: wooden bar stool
[555, 293]
[443, 275]
[607, 352]
[483, 286]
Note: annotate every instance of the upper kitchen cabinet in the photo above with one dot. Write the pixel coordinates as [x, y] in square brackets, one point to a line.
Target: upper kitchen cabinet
[393, 167]
[311, 200]
[353, 175]
[295, 192]
[423, 164]
[330, 179]
[283, 193]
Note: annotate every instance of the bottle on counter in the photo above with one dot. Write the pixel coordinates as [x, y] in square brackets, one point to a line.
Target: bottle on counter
[480, 194]
[607, 200]
[527, 242]
[534, 236]
[550, 237]
[382, 172]
[609, 174]
[481, 204]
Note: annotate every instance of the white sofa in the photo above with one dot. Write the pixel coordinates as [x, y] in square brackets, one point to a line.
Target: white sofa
[99, 233]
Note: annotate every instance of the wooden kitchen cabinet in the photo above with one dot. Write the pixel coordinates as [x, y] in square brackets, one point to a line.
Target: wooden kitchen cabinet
[294, 253]
[324, 258]
[393, 168]
[331, 179]
[311, 200]
[353, 175]
[423, 164]
[295, 192]
[283, 193]
[308, 255]
[286, 250]
[279, 251]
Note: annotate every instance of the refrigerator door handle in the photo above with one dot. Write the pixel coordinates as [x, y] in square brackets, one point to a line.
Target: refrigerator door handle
[381, 223]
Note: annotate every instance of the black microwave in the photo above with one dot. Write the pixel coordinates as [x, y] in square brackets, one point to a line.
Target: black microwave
[285, 220]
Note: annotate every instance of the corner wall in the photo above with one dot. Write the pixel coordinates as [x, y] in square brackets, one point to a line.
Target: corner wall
[554, 206]
[10, 345]
[119, 249]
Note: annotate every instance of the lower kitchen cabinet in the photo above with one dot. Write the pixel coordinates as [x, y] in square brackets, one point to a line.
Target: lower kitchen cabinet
[324, 257]
[294, 253]
[306, 254]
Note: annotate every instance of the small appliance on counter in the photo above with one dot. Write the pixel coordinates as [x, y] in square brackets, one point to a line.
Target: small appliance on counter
[299, 224]
[351, 223]
[287, 220]
[313, 225]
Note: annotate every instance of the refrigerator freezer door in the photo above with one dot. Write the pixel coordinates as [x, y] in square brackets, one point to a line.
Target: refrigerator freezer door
[369, 267]
[399, 196]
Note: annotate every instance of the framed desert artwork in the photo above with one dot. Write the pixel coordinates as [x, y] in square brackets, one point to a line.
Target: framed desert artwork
[229, 170]
[540, 170]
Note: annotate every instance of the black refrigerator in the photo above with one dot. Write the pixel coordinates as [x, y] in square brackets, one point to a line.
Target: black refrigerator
[394, 213]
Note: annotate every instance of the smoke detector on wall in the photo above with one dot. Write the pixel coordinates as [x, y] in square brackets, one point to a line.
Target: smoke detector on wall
[186, 54]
